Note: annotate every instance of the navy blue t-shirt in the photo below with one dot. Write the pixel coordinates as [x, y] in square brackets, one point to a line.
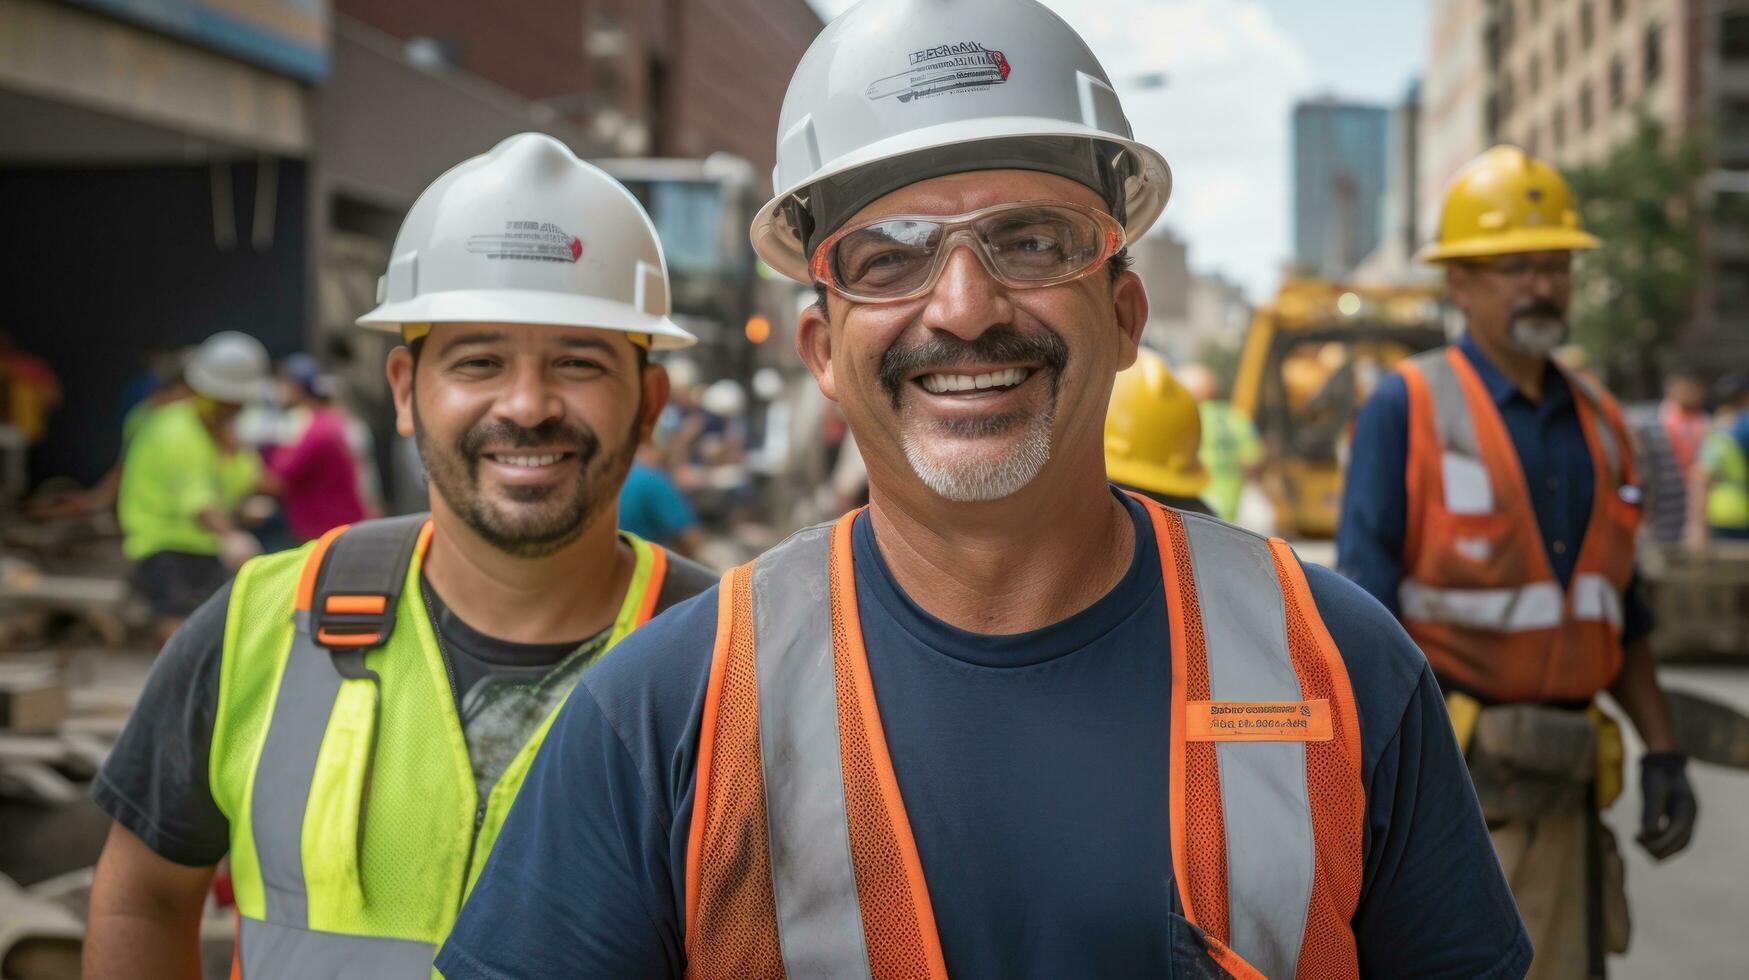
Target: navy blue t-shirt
[1033, 769]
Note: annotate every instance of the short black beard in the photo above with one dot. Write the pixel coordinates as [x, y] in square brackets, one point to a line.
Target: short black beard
[455, 474]
[999, 345]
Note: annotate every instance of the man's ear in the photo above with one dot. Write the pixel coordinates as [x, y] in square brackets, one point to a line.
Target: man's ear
[1460, 281]
[1129, 299]
[399, 371]
[656, 387]
[814, 344]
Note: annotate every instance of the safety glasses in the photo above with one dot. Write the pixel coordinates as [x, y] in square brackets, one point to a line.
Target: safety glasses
[1023, 245]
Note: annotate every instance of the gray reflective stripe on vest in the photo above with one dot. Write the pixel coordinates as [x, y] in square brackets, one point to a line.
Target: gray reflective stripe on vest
[276, 951]
[819, 920]
[1467, 485]
[1271, 855]
[1596, 598]
[281, 791]
[1536, 606]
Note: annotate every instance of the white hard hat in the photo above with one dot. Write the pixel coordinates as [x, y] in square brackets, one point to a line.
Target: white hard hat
[229, 367]
[528, 233]
[897, 91]
[725, 398]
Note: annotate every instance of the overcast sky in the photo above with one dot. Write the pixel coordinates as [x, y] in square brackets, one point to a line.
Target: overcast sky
[1234, 69]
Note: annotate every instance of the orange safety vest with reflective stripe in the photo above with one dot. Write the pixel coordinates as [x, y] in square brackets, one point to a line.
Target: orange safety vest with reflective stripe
[801, 860]
[1478, 592]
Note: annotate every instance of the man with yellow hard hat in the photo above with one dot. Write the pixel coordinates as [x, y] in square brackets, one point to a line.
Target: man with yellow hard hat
[1152, 434]
[1491, 503]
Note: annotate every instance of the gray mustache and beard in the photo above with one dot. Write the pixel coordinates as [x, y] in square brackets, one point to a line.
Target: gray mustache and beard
[1538, 327]
[945, 453]
[540, 519]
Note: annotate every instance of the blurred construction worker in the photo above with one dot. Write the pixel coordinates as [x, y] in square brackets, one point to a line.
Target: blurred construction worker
[1230, 449]
[1719, 484]
[350, 721]
[653, 508]
[1152, 431]
[315, 475]
[1491, 503]
[1008, 720]
[29, 391]
[183, 477]
[1667, 439]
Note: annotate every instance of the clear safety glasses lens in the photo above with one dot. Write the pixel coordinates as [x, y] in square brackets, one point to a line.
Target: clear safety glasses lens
[1023, 245]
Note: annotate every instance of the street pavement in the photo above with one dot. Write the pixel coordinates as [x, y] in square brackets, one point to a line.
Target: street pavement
[1691, 913]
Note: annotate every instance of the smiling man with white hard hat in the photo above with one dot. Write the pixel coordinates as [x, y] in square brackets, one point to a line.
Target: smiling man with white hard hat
[1007, 721]
[350, 721]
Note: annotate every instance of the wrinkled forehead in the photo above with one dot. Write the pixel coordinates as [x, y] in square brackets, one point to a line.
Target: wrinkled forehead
[963, 192]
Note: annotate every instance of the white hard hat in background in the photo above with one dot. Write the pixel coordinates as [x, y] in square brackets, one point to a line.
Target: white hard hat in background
[725, 398]
[229, 367]
[528, 233]
[897, 91]
[767, 383]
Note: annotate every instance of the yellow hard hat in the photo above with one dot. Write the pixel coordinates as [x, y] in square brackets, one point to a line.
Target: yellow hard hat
[1152, 431]
[1505, 202]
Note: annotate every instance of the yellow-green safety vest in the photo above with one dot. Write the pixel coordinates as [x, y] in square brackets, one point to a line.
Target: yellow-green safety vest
[339, 760]
[1727, 496]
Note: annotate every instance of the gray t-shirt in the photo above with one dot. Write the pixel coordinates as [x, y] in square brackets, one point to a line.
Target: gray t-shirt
[155, 781]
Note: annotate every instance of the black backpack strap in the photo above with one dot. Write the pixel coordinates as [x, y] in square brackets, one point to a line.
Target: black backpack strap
[352, 609]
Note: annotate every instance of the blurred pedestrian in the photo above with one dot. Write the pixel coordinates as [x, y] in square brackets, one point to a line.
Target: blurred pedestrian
[29, 391]
[1492, 504]
[652, 507]
[315, 475]
[185, 475]
[1667, 440]
[1231, 451]
[1719, 487]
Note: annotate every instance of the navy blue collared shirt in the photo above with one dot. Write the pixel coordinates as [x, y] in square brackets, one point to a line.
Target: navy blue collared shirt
[1551, 448]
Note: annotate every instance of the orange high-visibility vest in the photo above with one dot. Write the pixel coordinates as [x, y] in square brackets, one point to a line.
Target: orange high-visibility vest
[801, 861]
[1478, 593]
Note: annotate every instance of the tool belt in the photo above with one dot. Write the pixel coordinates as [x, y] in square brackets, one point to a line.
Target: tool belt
[1529, 761]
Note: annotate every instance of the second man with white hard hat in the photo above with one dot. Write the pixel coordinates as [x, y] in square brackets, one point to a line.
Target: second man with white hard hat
[349, 722]
[1007, 721]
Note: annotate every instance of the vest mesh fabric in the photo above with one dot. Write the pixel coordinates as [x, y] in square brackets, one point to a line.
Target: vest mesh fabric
[896, 946]
[1334, 790]
[419, 803]
[1205, 822]
[734, 931]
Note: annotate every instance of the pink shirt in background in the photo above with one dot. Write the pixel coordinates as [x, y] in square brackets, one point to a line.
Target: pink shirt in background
[321, 477]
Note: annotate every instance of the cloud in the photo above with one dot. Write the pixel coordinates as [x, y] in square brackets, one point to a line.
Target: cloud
[1232, 77]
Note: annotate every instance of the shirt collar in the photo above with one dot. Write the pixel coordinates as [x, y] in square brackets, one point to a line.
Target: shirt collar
[1500, 387]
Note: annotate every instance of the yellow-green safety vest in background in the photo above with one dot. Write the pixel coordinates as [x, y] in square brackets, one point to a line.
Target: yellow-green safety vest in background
[356, 832]
[1727, 467]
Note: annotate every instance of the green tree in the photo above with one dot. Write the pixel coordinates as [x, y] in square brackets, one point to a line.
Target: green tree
[1635, 295]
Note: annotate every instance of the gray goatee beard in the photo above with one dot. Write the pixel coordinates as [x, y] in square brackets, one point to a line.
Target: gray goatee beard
[965, 472]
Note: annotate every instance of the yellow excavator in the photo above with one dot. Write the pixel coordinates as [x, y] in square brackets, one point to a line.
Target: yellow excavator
[1311, 358]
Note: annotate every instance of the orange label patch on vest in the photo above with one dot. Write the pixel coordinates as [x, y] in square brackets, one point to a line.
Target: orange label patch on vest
[1257, 721]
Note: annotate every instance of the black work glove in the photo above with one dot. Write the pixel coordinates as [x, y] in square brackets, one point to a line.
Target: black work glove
[1667, 806]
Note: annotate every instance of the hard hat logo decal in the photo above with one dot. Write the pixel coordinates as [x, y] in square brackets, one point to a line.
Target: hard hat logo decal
[1535, 194]
[958, 67]
[529, 241]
